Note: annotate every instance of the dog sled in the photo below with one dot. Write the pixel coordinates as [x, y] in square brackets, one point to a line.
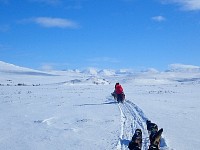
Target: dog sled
[120, 98]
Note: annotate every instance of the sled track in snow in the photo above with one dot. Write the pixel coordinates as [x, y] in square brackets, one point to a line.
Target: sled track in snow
[132, 117]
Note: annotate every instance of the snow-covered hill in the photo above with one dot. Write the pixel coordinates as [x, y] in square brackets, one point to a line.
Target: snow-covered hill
[13, 69]
[74, 110]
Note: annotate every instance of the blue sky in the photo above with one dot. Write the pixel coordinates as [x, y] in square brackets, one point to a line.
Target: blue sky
[68, 34]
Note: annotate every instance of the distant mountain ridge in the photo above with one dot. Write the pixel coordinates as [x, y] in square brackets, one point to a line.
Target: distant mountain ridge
[176, 68]
[183, 68]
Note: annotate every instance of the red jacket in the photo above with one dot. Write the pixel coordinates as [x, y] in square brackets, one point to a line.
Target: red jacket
[118, 89]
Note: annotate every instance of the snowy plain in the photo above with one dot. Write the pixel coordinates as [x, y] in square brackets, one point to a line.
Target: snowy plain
[71, 110]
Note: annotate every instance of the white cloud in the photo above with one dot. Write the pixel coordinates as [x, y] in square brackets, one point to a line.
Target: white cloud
[186, 4]
[53, 66]
[158, 18]
[55, 22]
[46, 67]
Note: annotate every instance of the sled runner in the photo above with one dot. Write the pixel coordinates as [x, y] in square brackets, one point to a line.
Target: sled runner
[118, 97]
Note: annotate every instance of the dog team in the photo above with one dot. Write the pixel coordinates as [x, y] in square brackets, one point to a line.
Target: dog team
[154, 137]
[154, 133]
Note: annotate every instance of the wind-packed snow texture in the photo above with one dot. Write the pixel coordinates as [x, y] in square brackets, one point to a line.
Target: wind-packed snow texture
[71, 110]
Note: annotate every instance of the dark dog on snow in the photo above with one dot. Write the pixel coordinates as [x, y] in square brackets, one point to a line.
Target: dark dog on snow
[136, 142]
[154, 135]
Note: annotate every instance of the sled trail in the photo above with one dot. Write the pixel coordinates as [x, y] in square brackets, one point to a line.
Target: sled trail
[132, 118]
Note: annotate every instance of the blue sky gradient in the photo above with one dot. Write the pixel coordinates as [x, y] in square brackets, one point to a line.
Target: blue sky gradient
[68, 34]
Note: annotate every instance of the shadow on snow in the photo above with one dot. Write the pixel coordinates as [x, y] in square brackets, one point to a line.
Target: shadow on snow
[106, 103]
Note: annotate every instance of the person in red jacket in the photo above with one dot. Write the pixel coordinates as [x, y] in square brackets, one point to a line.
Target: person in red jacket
[118, 88]
[118, 92]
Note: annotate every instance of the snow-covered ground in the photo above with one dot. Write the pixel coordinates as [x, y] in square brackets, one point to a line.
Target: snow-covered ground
[71, 110]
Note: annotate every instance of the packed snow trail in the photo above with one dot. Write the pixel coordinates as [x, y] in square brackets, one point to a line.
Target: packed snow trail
[132, 118]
